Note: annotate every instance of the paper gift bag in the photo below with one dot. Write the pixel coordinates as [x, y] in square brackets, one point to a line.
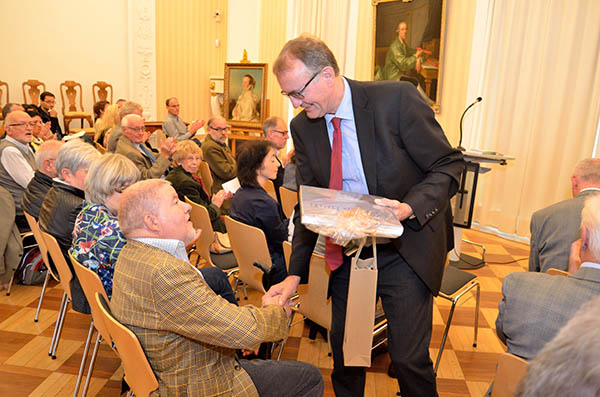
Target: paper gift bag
[360, 312]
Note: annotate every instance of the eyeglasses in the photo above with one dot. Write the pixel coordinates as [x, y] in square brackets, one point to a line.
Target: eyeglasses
[28, 124]
[173, 106]
[136, 129]
[281, 132]
[219, 129]
[298, 94]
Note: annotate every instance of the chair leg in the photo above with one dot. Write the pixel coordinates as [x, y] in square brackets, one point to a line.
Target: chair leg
[476, 325]
[285, 340]
[91, 368]
[62, 303]
[62, 321]
[84, 358]
[448, 322]
[10, 283]
[245, 292]
[236, 288]
[37, 312]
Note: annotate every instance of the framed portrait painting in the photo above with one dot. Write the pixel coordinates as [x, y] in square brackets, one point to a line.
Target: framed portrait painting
[245, 94]
[408, 44]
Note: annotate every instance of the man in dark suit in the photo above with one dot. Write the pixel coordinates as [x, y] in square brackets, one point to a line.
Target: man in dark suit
[391, 146]
[554, 228]
[276, 132]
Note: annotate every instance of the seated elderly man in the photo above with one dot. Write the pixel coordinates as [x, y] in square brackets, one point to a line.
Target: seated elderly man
[131, 145]
[41, 182]
[276, 132]
[164, 300]
[536, 305]
[174, 127]
[17, 160]
[64, 201]
[116, 133]
[217, 154]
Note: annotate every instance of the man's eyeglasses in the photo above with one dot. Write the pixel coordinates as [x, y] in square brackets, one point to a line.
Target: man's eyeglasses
[136, 129]
[281, 132]
[219, 129]
[28, 124]
[298, 94]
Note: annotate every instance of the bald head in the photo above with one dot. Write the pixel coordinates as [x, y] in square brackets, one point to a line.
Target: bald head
[585, 175]
[138, 201]
[45, 157]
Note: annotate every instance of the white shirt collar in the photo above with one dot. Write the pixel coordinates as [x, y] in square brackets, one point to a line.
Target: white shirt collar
[20, 145]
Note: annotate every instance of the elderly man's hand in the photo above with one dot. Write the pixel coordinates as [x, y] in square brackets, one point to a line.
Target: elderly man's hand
[282, 291]
[196, 125]
[401, 210]
[167, 148]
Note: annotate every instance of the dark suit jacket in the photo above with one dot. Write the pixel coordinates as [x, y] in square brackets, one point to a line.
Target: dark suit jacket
[405, 156]
[35, 193]
[278, 181]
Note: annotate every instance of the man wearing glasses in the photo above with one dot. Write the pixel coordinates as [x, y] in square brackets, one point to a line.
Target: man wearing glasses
[276, 132]
[376, 138]
[218, 155]
[17, 160]
[131, 145]
[48, 113]
[174, 127]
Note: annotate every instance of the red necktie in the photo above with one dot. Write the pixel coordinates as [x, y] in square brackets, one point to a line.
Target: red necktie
[333, 252]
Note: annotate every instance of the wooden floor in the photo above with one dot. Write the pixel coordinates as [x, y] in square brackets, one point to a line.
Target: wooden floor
[26, 369]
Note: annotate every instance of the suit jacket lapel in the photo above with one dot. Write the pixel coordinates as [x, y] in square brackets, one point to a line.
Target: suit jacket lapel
[322, 147]
[365, 130]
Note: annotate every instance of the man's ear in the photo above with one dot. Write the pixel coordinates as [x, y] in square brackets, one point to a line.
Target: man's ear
[585, 239]
[151, 223]
[328, 74]
[66, 175]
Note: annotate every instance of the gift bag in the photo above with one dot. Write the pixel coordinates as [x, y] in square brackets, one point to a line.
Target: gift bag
[360, 312]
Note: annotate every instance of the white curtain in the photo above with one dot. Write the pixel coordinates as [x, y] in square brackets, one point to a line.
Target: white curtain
[540, 81]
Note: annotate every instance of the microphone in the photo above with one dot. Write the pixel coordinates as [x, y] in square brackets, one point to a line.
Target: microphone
[459, 147]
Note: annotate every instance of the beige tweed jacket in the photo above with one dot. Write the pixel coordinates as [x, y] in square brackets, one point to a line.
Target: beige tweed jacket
[188, 332]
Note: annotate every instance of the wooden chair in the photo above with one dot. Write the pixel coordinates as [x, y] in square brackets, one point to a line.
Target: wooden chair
[91, 284]
[100, 148]
[270, 189]
[511, 369]
[65, 278]
[249, 245]
[201, 220]
[556, 272]
[37, 234]
[33, 89]
[100, 90]
[206, 175]
[3, 94]
[138, 372]
[72, 90]
[289, 199]
[455, 284]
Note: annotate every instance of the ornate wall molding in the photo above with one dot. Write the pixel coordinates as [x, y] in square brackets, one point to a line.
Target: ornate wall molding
[142, 55]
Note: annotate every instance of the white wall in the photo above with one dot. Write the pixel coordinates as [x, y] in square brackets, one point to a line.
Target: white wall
[81, 40]
[243, 29]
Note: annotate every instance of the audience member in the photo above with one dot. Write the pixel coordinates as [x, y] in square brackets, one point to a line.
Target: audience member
[568, 365]
[174, 127]
[48, 113]
[163, 299]
[99, 110]
[187, 159]
[535, 306]
[110, 118]
[45, 159]
[41, 131]
[11, 107]
[11, 247]
[97, 237]
[289, 175]
[253, 206]
[120, 102]
[131, 145]
[17, 160]
[554, 228]
[116, 133]
[217, 154]
[64, 201]
[276, 132]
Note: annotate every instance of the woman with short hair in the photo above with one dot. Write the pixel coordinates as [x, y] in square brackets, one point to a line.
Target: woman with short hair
[97, 237]
[106, 123]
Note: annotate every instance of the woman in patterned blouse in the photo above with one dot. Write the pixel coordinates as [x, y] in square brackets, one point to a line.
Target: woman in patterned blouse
[97, 238]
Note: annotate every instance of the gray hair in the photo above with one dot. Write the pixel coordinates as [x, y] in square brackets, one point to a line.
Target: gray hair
[568, 365]
[45, 150]
[590, 220]
[139, 199]
[588, 170]
[113, 172]
[129, 107]
[270, 123]
[210, 121]
[75, 155]
[6, 109]
[308, 49]
[127, 118]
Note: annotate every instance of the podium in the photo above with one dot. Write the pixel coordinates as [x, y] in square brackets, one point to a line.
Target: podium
[463, 204]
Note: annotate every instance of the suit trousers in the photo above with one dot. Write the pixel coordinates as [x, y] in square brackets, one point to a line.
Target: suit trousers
[284, 378]
[408, 307]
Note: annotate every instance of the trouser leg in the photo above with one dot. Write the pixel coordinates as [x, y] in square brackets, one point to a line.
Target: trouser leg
[218, 282]
[284, 378]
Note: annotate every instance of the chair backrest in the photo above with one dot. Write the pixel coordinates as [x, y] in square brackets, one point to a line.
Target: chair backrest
[60, 262]
[509, 373]
[100, 148]
[37, 234]
[270, 189]
[91, 284]
[4, 94]
[556, 272]
[314, 303]
[289, 199]
[157, 138]
[249, 245]
[100, 91]
[33, 90]
[206, 175]
[71, 89]
[201, 220]
[138, 372]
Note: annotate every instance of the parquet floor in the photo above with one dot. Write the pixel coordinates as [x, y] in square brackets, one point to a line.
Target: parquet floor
[26, 368]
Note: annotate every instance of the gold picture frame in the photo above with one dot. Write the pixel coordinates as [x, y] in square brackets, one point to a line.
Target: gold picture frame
[245, 107]
[425, 21]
